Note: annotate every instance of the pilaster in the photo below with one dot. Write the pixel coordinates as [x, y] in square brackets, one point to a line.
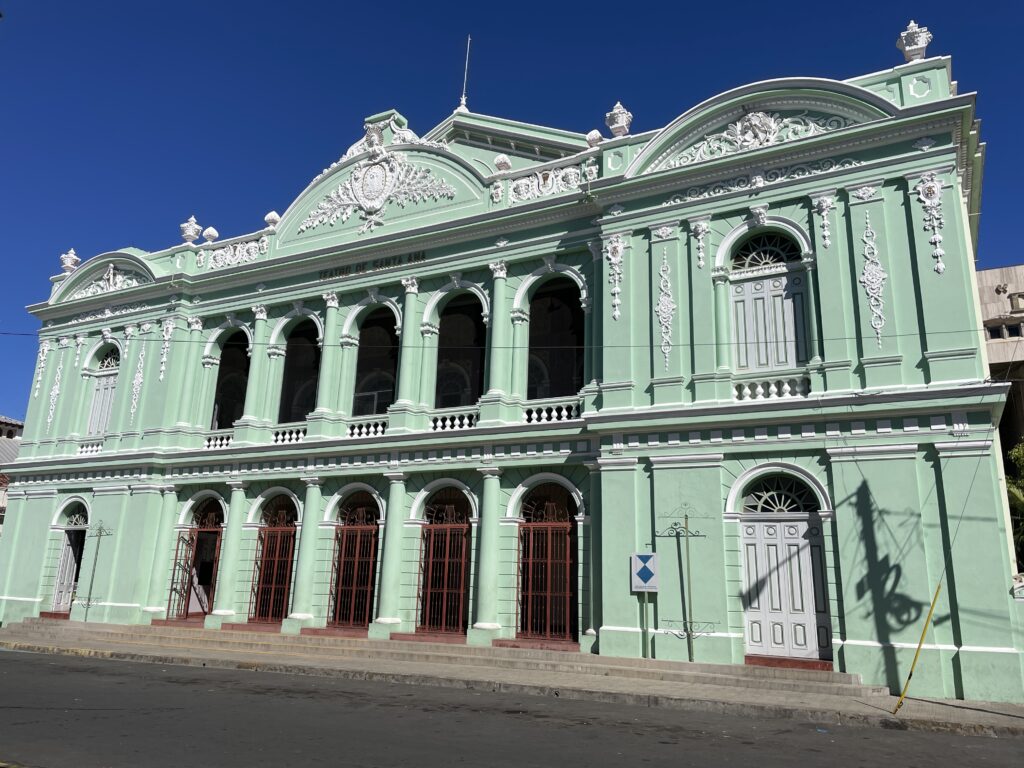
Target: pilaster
[486, 625]
[302, 594]
[225, 601]
[406, 414]
[390, 583]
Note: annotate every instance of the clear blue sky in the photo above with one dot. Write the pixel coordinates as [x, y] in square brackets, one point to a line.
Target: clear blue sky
[121, 119]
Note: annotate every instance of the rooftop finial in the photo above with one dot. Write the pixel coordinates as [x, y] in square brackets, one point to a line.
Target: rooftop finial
[914, 41]
[465, 79]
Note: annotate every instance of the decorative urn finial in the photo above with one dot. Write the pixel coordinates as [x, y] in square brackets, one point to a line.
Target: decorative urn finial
[69, 261]
[914, 41]
[502, 162]
[190, 230]
[618, 120]
[210, 234]
[272, 219]
[594, 138]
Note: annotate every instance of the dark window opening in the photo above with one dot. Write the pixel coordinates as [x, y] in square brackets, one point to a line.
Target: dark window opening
[555, 366]
[376, 365]
[462, 340]
[301, 373]
[232, 381]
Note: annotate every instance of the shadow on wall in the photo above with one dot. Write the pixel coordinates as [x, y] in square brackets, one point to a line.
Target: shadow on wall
[889, 608]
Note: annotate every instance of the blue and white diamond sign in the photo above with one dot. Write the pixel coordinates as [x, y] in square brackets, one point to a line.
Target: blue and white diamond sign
[644, 571]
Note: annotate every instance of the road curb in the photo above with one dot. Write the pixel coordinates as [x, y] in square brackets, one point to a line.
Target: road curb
[740, 709]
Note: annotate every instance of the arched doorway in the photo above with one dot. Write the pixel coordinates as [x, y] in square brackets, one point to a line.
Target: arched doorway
[547, 564]
[461, 346]
[555, 366]
[376, 364]
[69, 568]
[301, 373]
[232, 382]
[196, 555]
[785, 599]
[444, 563]
[355, 561]
[272, 566]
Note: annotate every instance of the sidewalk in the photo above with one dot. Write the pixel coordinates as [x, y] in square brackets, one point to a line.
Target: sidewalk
[604, 681]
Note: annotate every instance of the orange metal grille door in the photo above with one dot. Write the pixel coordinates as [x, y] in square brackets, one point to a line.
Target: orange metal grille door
[444, 578]
[547, 595]
[272, 575]
[355, 559]
[181, 575]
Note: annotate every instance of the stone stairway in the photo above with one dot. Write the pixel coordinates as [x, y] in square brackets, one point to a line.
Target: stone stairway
[349, 656]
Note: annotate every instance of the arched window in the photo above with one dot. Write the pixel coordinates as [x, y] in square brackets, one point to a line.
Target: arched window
[547, 564]
[301, 373]
[355, 560]
[232, 381]
[779, 495]
[275, 548]
[105, 377]
[556, 341]
[769, 315]
[461, 343]
[444, 583]
[376, 365]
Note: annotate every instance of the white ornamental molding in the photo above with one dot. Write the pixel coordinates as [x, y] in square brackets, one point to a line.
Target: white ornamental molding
[865, 193]
[275, 350]
[260, 312]
[872, 278]
[137, 384]
[823, 206]
[410, 284]
[232, 255]
[55, 389]
[195, 323]
[754, 131]
[699, 229]
[379, 180]
[166, 332]
[330, 299]
[664, 232]
[69, 261]
[44, 350]
[553, 181]
[80, 340]
[496, 192]
[499, 269]
[190, 230]
[130, 331]
[113, 279]
[665, 309]
[109, 311]
[759, 215]
[752, 181]
[929, 192]
[614, 251]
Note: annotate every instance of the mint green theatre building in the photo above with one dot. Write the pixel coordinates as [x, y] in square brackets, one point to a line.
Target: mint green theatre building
[466, 376]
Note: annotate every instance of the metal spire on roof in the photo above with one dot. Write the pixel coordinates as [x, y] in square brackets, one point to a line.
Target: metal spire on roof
[465, 79]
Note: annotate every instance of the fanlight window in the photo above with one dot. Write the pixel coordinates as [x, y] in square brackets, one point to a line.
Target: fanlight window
[110, 361]
[765, 250]
[779, 495]
[78, 518]
[448, 506]
[359, 509]
[208, 515]
[549, 503]
[280, 512]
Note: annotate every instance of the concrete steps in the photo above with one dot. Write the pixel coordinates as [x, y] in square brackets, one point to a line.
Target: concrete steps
[355, 653]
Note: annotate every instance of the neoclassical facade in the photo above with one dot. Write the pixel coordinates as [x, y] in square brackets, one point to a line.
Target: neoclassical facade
[466, 376]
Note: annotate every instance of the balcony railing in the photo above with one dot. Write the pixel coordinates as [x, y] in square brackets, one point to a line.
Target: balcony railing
[773, 388]
[454, 419]
[545, 411]
[289, 435]
[369, 426]
[91, 448]
[219, 439]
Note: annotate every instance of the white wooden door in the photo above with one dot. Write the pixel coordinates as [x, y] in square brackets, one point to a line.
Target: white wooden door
[768, 322]
[786, 610]
[68, 570]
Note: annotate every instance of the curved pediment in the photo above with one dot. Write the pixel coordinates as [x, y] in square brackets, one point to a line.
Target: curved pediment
[757, 117]
[106, 273]
[380, 187]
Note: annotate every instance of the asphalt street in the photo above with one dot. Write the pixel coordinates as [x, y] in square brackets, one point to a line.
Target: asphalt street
[64, 712]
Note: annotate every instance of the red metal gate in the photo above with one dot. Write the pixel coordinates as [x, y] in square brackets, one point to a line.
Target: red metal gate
[272, 574]
[355, 560]
[181, 574]
[547, 594]
[444, 578]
